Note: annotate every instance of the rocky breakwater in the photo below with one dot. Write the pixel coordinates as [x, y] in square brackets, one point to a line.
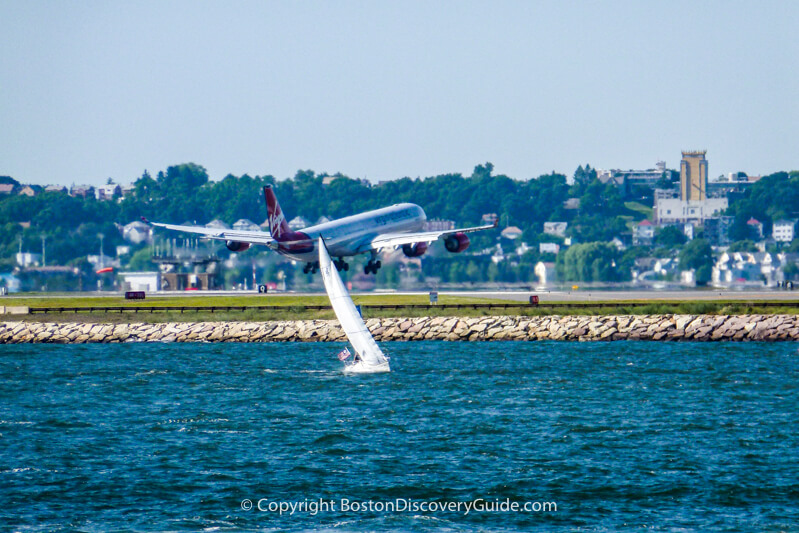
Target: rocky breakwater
[581, 328]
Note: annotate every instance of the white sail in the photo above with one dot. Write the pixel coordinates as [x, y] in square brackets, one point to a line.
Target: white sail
[371, 358]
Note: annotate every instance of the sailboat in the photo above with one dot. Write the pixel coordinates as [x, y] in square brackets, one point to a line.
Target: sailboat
[368, 357]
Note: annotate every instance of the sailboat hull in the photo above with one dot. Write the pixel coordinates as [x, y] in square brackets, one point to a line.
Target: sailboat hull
[365, 368]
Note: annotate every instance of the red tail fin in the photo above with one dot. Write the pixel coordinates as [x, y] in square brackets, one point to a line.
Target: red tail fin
[277, 222]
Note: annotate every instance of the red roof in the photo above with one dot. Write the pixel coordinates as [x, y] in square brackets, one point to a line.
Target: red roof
[753, 221]
[645, 222]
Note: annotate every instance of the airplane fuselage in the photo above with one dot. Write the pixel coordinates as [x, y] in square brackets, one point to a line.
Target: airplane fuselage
[351, 235]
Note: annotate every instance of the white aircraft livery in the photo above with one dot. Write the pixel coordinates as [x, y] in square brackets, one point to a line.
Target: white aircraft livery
[370, 232]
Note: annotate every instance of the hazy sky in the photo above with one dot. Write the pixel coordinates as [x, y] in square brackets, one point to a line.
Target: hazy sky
[381, 90]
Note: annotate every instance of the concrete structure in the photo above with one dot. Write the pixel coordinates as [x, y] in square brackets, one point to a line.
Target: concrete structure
[673, 211]
[693, 176]
[784, 230]
[141, 281]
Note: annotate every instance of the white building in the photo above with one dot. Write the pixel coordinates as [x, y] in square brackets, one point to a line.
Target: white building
[25, 259]
[674, 210]
[548, 248]
[783, 230]
[644, 233]
[245, 225]
[137, 232]
[141, 281]
[555, 228]
[298, 223]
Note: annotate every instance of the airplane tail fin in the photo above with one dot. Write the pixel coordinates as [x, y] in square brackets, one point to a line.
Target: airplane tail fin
[277, 222]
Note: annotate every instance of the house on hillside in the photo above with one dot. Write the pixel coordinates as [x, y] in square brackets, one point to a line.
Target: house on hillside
[511, 232]
[107, 192]
[644, 234]
[6, 188]
[784, 230]
[745, 267]
[755, 228]
[27, 190]
[557, 229]
[298, 223]
[137, 232]
[245, 225]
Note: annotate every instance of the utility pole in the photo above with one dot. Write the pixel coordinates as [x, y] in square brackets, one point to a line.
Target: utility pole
[44, 256]
[102, 259]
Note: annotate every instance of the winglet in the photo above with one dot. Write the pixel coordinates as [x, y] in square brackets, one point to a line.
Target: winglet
[146, 221]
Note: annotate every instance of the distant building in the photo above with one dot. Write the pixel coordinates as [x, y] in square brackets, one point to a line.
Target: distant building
[55, 188]
[572, 203]
[489, 218]
[107, 192]
[629, 178]
[298, 223]
[245, 225]
[783, 230]
[26, 260]
[555, 228]
[6, 188]
[27, 190]
[217, 224]
[137, 232]
[548, 248]
[644, 234]
[755, 228]
[511, 232]
[672, 210]
[141, 281]
[81, 190]
[693, 176]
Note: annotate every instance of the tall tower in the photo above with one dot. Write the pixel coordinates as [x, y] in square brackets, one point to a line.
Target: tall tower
[693, 176]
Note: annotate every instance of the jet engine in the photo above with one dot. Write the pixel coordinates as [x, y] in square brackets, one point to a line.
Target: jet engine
[456, 242]
[236, 246]
[414, 250]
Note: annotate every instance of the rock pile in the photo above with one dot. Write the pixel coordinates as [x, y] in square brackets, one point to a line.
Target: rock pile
[583, 328]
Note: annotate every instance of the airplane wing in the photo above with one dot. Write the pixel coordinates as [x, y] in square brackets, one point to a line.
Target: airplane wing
[221, 234]
[393, 240]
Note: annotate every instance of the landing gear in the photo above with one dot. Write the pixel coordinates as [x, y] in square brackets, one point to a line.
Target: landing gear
[341, 265]
[372, 267]
[313, 267]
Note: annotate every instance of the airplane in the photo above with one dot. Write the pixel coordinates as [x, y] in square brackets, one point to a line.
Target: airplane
[369, 232]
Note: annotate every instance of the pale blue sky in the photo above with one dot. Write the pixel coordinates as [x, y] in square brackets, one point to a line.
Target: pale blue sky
[381, 90]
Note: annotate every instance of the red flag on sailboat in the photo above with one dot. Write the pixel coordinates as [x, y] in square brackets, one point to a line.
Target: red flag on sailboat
[344, 354]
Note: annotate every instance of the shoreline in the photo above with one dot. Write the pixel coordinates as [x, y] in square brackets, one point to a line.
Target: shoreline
[756, 327]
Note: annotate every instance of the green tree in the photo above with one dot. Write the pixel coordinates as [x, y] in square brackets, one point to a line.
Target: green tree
[695, 254]
[669, 237]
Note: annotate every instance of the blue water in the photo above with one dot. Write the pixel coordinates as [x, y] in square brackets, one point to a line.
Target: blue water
[620, 436]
